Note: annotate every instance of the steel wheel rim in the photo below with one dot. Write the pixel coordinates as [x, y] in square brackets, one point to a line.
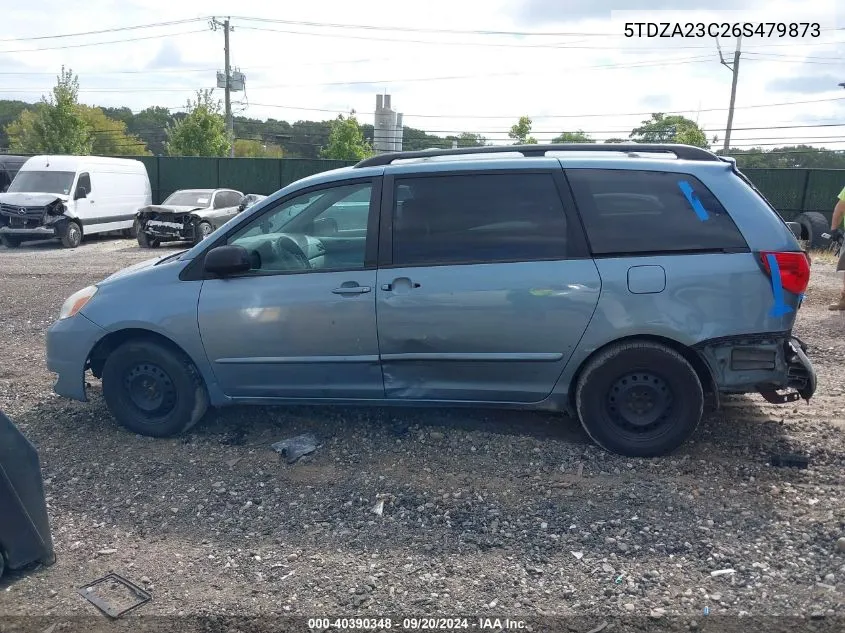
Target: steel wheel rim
[640, 402]
[150, 389]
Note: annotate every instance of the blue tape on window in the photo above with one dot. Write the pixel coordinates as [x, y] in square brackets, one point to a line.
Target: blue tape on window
[780, 308]
[695, 203]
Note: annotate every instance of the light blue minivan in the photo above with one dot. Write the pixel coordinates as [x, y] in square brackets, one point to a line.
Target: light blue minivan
[620, 283]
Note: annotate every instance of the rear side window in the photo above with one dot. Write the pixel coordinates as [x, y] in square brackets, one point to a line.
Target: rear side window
[477, 218]
[651, 212]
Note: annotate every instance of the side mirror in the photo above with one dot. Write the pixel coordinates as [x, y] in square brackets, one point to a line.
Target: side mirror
[81, 192]
[324, 227]
[227, 260]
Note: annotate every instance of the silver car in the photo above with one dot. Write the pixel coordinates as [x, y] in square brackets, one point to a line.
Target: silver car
[620, 285]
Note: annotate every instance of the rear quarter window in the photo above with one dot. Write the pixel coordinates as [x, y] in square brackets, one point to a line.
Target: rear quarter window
[630, 211]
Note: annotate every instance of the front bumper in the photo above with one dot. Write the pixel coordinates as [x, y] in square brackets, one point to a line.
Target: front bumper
[172, 231]
[69, 344]
[34, 232]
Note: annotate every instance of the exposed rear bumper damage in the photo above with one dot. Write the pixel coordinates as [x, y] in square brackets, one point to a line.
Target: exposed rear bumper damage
[764, 364]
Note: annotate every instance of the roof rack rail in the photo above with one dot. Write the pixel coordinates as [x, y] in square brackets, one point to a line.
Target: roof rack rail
[683, 152]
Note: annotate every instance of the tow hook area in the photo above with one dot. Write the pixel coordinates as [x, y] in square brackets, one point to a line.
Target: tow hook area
[800, 375]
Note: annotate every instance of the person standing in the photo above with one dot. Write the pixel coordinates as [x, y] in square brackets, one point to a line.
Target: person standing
[836, 226]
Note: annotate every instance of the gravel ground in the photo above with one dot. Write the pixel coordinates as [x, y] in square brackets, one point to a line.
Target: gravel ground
[484, 512]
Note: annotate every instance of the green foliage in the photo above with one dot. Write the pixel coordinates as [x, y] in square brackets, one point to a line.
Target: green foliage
[252, 148]
[670, 129]
[615, 140]
[346, 140]
[202, 132]
[521, 131]
[55, 125]
[793, 156]
[574, 137]
[467, 139]
[109, 137]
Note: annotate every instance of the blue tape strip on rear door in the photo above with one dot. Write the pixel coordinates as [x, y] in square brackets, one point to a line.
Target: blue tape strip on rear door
[780, 308]
[695, 203]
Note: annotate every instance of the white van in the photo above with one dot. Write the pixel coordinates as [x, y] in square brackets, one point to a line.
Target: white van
[71, 196]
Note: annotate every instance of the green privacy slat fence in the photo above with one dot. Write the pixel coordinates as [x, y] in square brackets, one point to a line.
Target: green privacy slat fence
[249, 175]
[791, 191]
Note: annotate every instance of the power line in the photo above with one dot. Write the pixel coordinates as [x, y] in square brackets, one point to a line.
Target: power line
[556, 116]
[123, 41]
[111, 30]
[558, 45]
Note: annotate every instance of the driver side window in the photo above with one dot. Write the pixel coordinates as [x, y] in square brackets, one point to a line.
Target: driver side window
[319, 230]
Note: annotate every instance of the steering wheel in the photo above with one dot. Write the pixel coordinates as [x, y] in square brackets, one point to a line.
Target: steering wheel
[290, 246]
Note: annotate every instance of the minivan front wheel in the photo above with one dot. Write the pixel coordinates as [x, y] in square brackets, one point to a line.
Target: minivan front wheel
[153, 390]
[639, 399]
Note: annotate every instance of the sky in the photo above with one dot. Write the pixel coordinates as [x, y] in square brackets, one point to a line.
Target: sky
[449, 65]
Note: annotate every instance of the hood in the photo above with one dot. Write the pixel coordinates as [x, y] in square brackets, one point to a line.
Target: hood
[160, 208]
[26, 199]
[131, 270]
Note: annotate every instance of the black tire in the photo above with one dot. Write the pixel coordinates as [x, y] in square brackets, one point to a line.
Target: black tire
[813, 224]
[204, 229]
[639, 399]
[153, 390]
[2, 561]
[72, 236]
[145, 241]
[10, 241]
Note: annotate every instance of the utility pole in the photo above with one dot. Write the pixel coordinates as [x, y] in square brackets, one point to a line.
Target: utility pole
[734, 68]
[230, 123]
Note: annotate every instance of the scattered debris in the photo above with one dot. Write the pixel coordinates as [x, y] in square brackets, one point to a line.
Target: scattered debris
[790, 460]
[121, 596]
[379, 507]
[578, 555]
[722, 572]
[107, 552]
[840, 544]
[599, 628]
[231, 463]
[295, 447]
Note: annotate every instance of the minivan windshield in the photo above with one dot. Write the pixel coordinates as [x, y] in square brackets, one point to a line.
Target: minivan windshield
[189, 199]
[58, 182]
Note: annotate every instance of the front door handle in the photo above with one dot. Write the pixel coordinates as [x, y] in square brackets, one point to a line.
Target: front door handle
[351, 289]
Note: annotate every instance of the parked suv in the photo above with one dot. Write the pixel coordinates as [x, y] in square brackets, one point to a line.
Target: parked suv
[621, 285]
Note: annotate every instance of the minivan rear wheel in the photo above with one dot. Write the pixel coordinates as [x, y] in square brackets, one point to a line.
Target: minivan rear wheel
[153, 390]
[639, 399]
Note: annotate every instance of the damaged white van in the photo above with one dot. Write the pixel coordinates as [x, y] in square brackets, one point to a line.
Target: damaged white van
[67, 197]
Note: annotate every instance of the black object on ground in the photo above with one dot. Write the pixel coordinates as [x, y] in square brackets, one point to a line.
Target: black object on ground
[790, 460]
[124, 594]
[295, 447]
[25, 536]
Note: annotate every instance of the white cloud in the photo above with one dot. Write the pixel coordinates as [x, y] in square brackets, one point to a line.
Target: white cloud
[589, 70]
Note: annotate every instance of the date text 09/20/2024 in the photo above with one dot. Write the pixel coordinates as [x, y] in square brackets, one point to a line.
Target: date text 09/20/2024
[417, 624]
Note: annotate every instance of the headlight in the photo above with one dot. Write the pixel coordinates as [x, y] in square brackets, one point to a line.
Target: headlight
[77, 301]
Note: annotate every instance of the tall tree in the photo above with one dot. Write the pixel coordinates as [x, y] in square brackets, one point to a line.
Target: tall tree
[670, 129]
[346, 140]
[521, 131]
[55, 125]
[202, 132]
[109, 137]
[574, 137]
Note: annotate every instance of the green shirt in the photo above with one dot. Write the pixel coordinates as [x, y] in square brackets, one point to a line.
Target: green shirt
[842, 198]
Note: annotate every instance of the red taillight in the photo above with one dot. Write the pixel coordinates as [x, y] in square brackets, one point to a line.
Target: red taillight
[794, 270]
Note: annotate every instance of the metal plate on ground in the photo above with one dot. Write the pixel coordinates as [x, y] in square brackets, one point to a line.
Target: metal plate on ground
[114, 595]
